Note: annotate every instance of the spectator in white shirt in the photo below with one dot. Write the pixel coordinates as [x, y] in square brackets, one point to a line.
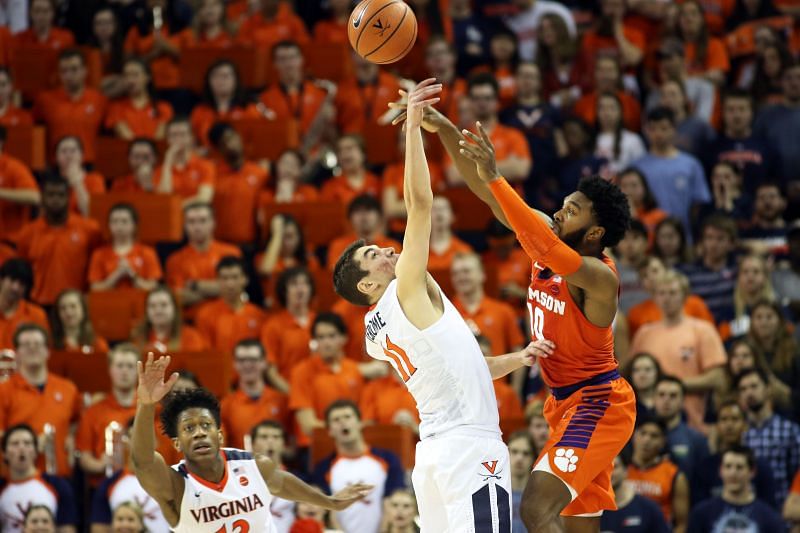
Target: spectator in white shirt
[526, 23]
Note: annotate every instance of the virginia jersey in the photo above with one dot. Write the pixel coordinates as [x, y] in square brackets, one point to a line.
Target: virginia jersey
[237, 504]
[583, 350]
[442, 366]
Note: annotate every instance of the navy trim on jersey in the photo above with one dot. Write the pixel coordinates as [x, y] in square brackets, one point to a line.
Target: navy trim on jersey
[183, 471]
[482, 510]
[503, 510]
[232, 454]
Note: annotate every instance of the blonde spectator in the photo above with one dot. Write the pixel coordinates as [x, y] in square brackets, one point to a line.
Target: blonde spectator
[162, 329]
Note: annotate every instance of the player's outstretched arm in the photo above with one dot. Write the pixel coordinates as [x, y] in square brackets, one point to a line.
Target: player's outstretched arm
[150, 468]
[502, 365]
[290, 487]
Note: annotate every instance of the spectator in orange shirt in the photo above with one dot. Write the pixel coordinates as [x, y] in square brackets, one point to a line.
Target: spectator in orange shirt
[486, 316]
[367, 222]
[210, 27]
[192, 270]
[42, 33]
[18, 191]
[58, 244]
[353, 316]
[74, 108]
[654, 476]
[37, 397]
[333, 30]
[253, 400]
[289, 186]
[69, 160]
[386, 400]
[230, 318]
[706, 56]
[275, 22]
[16, 280]
[607, 79]
[224, 99]
[286, 335]
[118, 406]
[323, 378]
[444, 244]
[71, 325]
[510, 263]
[440, 60]
[159, 46]
[162, 329]
[142, 160]
[292, 97]
[11, 115]
[509, 405]
[125, 262]
[354, 179]
[502, 64]
[183, 172]
[107, 38]
[365, 98]
[238, 187]
[138, 114]
[286, 249]
[611, 36]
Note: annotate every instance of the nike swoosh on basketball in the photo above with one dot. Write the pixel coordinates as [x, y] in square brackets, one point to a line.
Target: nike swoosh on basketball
[357, 20]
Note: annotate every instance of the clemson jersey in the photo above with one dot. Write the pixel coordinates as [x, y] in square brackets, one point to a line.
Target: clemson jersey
[240, 503]
[583, 350]
[441, 365]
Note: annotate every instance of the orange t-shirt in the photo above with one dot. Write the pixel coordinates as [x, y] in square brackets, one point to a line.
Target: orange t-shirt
[496, 321]
[26, 312]
[650, 219]
[516, 268]
[716, 12]
[716, 57]
[59, 255]
[655, 483]
[287, 342]
[90, 437]
[359, 104]
[188, 38]
[191, 264]
[339, 244]
[266, 33]
[236, 197]
[14, 175]
[6, 253]
[648, 312]
[795, 488]
[241, 413]
[594, 45]
[142, 259]
[303, 193]
[59, 404]
[449, 98]
[586, 108]
[393, 176]
[224, 326]
[314, 385]
[299, 106]
[330, 32]
[100, 345]
[166, 74]
[14, 116]
[382, 398]
[204, 116]
[144, 122]
[57, 39]
[353, 316]
[186, 180]
[191, 341]
[94, 183]
[268, 282]
[64, 116]
[509, 405]
[507, 142]
[442, 261]
[339, 189]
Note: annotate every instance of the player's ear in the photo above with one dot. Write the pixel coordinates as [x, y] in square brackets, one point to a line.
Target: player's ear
[366, 286]
[595, 233]
[176, 443]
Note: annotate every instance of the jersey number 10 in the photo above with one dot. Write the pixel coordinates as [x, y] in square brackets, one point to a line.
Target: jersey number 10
[537, 322]
[239, 526]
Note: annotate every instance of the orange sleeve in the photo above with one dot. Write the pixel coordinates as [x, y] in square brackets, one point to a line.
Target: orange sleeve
[21, 177]
[112, 115]
[204, 321]
[208, 173]
[696, 307]
[300, 390]
[717, 56]
[635, 37]
[100, 344]
[95, 183]
[96, 267]
[151, 269]
[175, 277]
[83, 437]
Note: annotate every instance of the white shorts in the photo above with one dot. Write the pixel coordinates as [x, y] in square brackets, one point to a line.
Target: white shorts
[463, 485]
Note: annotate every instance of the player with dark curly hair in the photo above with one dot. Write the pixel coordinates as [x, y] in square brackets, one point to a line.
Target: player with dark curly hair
[572, 301]
[213, 489]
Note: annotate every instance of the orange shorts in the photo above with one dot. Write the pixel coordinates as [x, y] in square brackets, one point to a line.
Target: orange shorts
[588, 428]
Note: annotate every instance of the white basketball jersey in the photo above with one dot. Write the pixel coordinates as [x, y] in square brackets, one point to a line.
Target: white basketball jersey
[17, 497]
[128, 489]
[238, 504]
[282, 514]
[442, 366]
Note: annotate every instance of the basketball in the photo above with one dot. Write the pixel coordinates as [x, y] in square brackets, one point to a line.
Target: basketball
[382, 31]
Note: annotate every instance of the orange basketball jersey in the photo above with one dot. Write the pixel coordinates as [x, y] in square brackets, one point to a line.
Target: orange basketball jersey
[583, 350]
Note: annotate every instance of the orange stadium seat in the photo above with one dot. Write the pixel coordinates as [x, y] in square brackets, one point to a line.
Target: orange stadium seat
[112, 156]
[87, 371]
[381, 143]
[214, 369]
[116, 312]
[471, 214]
[330, 62]
[510, 425]
[266, 139]
[160, 215]
[30, 81]
[326, 297]
[321, 221]
[399, 439]
[94, 66]
[28, 144]
[252, 62]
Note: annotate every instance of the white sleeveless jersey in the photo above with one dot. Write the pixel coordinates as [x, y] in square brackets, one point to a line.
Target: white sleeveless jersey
[442, 366]
[238, 504]
[282, 514]
[17, 497]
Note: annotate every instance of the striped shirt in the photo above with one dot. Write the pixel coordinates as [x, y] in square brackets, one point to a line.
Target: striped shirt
[777, 442]
[714, 287]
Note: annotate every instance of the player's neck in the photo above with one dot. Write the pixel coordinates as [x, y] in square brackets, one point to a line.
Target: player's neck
[212, 470]
[20, 475]
[125, 397]
[738, 495]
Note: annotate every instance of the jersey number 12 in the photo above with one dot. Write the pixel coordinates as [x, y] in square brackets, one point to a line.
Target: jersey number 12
[239, 526]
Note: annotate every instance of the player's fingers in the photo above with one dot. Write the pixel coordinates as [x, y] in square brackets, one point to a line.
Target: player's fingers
[430, 101]
[473, 148]
[482, 131]
[398, 105]
[399, 118]
[424, 93]
[425, 83]
[469, 135]
[172, 379]
[139, 368]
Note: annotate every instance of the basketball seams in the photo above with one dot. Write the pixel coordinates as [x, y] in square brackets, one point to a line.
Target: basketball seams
[406, 49]
[396, 28]
[361, 27]
[367, 22]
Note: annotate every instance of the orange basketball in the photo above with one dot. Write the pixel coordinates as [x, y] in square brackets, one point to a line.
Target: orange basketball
[382, 31]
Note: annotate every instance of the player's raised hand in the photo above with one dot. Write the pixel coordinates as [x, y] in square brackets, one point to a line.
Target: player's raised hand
[432, 120]
[350, 495]
[539, 348]
[424, 94]
[152, 387]
[481, 151]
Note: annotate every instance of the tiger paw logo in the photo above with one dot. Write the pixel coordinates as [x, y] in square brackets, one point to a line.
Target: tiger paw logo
[566, 460]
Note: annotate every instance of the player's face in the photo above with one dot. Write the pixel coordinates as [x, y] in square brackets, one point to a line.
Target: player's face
[752, 392]
[378, 262]
[199, 224]
[669, 297]
[521, 455]
[269, 442]
[400, 510]
[126, 521]
[574, 220]
[198, 437]
[649, 440]
[20, 453]
[734, 471]
[123, 370]
[731, 424]
[668, 400]
[39, 521]
[232, 282]
[344, 425]
[467, 274]
[330, 341]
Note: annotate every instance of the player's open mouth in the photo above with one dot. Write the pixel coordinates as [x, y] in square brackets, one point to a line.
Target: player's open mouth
[202, 448]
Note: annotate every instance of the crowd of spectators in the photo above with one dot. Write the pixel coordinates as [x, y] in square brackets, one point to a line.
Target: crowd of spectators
[692, 107]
